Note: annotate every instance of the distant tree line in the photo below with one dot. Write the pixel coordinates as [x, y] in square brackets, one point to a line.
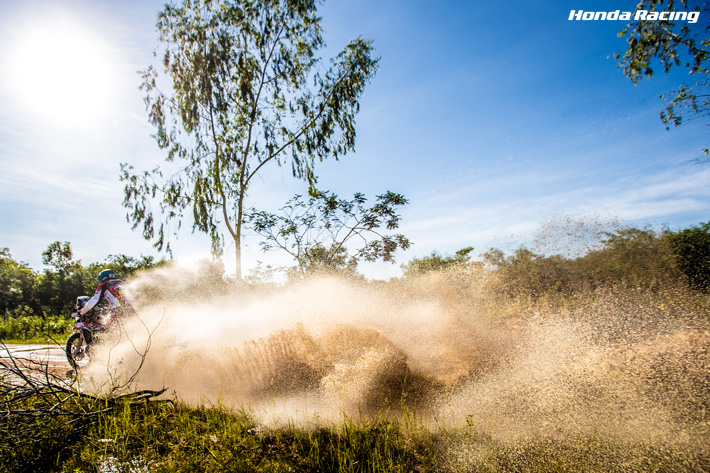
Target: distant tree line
[628, 257]
[24, 291]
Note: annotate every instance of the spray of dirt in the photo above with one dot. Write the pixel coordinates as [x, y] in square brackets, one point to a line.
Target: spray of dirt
[627, 363]
[319, 348]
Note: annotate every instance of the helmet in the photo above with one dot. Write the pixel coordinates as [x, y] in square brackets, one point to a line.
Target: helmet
[106, 274]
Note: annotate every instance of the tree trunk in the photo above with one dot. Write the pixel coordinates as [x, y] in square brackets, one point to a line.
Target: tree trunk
[238, 225]
[238, 254]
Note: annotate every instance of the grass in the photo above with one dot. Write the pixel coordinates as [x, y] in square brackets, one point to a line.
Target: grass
[166, 437]
[35, 329]
[50, 427]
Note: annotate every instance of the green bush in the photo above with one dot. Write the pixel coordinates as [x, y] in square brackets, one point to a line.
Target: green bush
[692, 248]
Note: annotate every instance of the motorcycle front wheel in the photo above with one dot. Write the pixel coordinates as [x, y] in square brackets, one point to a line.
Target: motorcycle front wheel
[78, 350]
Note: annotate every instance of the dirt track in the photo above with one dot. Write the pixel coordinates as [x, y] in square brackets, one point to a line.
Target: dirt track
[52, 355]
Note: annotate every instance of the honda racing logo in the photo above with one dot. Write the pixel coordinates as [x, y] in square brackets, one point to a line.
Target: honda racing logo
[638, 15]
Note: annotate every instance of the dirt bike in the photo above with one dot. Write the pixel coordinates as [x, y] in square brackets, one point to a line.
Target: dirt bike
[86, 328]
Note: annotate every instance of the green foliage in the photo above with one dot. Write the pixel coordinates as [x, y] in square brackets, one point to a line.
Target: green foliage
[630, 257]
[692, 248]
[29, 301]
[676, 44]
[66, 278]
[17, 284]
[315, 232]
[436, 262]
[60, 257]
[241, 75]
[22, 325]
[530, 274]
[63, 281]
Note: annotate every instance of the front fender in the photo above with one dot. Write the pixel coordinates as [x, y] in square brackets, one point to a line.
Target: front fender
[80, 326]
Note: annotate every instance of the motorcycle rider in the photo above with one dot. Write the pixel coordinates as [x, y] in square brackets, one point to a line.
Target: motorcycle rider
[109, 289]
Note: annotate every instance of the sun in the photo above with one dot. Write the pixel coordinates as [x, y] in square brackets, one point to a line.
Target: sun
[61, 70]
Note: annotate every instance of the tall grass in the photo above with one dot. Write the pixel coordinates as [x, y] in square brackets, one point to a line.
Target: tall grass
[168, 437]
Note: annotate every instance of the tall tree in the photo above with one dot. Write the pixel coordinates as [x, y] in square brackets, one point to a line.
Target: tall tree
[59, 256]
[17, 284]
[247, 90]
[62, 281]
[674, 43]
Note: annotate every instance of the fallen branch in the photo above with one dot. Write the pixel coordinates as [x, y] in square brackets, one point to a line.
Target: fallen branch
[43, 415]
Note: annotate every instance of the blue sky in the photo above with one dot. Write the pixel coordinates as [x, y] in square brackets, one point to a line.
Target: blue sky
[492, 120]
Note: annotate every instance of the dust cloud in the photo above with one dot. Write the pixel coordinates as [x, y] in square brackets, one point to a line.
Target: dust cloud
[618, 362]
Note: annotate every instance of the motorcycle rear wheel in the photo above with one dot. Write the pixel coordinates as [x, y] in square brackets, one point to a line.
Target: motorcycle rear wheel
[77, 349]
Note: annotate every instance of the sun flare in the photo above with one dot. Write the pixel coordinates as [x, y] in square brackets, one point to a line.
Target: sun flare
[62, 71]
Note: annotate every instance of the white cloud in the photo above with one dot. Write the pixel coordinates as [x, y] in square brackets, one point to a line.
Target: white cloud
[499, 213]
